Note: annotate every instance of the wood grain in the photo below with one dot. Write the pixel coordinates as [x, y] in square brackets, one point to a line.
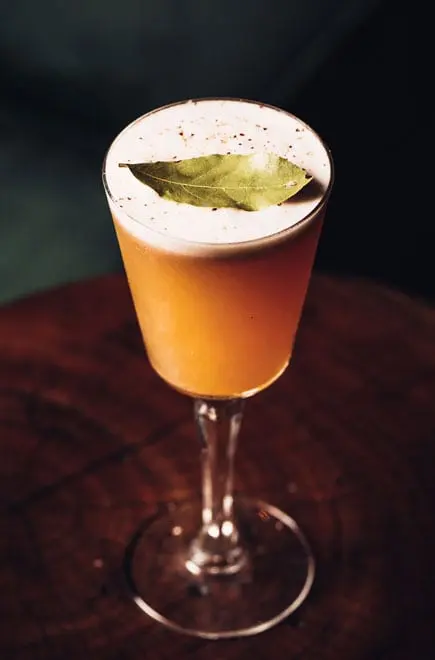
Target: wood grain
[91, 442]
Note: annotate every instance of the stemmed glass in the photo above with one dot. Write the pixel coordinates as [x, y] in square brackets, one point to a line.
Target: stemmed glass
[218, 321]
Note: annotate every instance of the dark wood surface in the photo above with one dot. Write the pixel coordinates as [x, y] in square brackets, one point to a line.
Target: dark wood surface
[91, 441]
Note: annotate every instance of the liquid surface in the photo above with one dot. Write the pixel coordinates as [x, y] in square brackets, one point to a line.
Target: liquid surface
[193, 129]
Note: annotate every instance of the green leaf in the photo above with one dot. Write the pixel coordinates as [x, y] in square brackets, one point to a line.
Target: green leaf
[248, 182]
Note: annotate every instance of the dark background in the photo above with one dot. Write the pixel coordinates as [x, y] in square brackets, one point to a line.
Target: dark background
[369, 123]
[73, 75]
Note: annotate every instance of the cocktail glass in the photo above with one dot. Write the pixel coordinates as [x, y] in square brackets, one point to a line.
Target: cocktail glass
[219, 321]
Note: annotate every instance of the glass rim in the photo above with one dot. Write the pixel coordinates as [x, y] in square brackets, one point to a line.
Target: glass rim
[235, 245]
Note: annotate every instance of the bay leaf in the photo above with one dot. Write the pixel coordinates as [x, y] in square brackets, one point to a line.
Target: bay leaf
[250, 182]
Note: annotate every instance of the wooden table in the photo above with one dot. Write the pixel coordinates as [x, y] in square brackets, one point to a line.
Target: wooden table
[91, 441]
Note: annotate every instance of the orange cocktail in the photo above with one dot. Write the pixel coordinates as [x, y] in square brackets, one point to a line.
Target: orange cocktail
[218, 293]
[219, 327]
[218, 274]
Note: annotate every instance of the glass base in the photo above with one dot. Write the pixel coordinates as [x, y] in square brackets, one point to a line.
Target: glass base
[267, 588]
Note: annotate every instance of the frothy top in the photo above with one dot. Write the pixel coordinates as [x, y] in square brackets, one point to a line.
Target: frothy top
[199, 128]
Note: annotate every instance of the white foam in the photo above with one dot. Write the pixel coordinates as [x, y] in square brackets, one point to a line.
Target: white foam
[197, 128]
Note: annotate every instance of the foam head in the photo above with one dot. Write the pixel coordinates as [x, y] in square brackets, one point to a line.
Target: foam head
[199, 128]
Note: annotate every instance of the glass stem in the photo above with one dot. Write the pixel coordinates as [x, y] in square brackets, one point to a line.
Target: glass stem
[217, 549]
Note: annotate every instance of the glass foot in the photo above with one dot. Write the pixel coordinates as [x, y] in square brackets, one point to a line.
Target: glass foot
[270, 585]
